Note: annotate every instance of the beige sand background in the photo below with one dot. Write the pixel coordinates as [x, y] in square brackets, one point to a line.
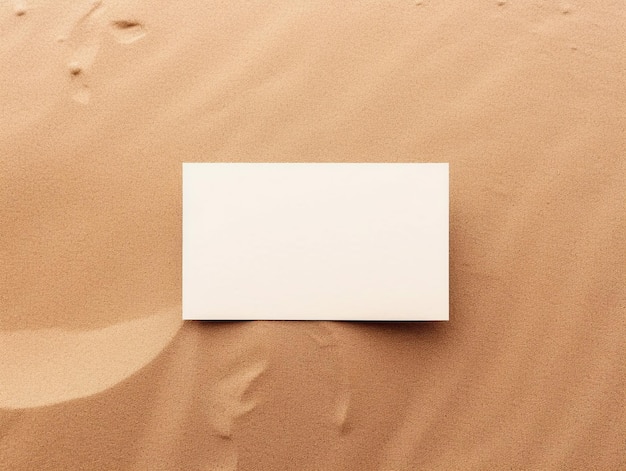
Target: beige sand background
[101, 102]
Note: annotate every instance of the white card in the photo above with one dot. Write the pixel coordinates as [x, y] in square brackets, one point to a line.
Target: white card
[323, 241]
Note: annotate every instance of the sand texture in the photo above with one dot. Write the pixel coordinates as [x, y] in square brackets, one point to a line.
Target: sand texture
[102, 101]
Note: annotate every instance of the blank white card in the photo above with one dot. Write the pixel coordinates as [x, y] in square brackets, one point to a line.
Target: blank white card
[324, 241]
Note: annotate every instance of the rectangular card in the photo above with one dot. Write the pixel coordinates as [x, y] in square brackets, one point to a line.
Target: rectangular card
[315, 241]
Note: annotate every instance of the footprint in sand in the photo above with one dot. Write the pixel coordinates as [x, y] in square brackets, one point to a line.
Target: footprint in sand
[230, 399]
[127, 31]
[85, 40]
[79, 64]
[19, 8]
[322, 334]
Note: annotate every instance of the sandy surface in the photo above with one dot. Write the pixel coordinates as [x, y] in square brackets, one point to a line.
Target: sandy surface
[101, 102]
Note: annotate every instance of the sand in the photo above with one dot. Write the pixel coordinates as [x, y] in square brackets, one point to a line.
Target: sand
[102, 101]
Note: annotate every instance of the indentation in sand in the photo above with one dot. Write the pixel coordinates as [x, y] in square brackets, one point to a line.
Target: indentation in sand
[47, 366]
[127, 31]
[79, 64]
[19, 7]
[91, 12]
[342, 406]
[322, 335]
[85, 40]
[84, 43]
[229, 401]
